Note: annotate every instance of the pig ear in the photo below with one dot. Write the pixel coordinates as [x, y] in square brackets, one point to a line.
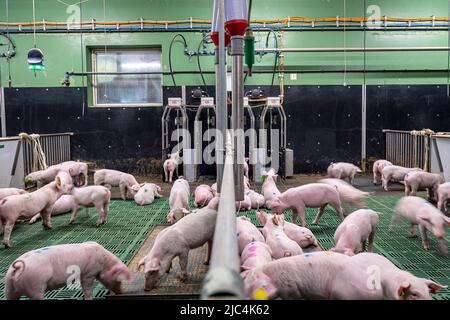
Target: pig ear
[141, 264]
[424, 218]
[58, 181]
[244, 273]
[433, 286]
[403, 288]
[155, 265]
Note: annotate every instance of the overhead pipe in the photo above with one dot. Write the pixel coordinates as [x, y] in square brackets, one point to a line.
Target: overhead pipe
[375, 49]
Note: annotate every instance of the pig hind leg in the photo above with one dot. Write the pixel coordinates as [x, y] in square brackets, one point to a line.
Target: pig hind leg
[9, 225]
[86, 285]
[46, 219]
[370, 240]
[123, 191]
[319, 214]
[101, 214]
[208, 255]
[338, 208]
[413, 230]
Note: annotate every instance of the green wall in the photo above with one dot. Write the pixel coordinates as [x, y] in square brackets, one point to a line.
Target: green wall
[65, 52]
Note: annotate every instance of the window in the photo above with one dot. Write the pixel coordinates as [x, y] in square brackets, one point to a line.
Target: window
[122, 90]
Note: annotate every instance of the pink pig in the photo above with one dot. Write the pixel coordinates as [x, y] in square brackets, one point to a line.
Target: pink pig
[378, 166]
[50, 268]
[202, 195]
[277, 240]
[246, 232]
[178, 200]
[171, 165]
[147, 193]
[443, 196]
[255, 254]
[64, 204]
[245, 167]
[126, 182]
[6, 192]
[352, 233]
[303, 236]
[76, 169]
[26, 205]
[394, 174]
[416, 180]
[312, 195]
[418, 211]
[343, 170]
[257, 200]
[269, 188]
[348, 193]
[190, 232]
[245, 204]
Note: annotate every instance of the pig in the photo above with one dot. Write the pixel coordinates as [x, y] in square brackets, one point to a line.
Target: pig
[171, 165]
[25, 206]
[246, 232]
[334, 276]
[41, 270]
[303, 236]
[202, 195]
[306, 276]
[377, 168]
[348, 193]
[257, 200]
[190, 232]
[178, 200]
[126, 182]
[245, 167]
[214, 189]
[416, 180]
[5, 192]
[269, 188]
[64, 204]
[395, 174]
[313, 195]
[352, 233]
[255, 254]
[147, 193]
[343, 170]
[43, 177]
[90, 196]
[443, 196]
[277, 240]
[245, 204]
[76, 169]
[370, 276]
[420, 212]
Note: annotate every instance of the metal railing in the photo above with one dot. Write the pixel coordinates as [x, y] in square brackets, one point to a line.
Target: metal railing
[56, 148]
[223, 280]
[408, 148]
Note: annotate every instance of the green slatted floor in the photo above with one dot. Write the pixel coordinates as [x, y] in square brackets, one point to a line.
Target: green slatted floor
[128, 225]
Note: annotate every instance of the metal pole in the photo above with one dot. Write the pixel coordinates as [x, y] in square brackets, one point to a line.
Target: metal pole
[363, 128]
[221, 95]
[374, 49]
[3, 111]
[223, 280]
[237, 123]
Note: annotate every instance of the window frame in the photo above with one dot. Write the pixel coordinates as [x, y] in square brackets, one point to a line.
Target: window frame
[94, 80]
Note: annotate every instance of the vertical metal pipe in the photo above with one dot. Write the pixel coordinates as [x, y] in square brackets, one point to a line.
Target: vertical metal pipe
[363, 128]
[237, 123]
[3, 111]
[223, 280]
[221, 94]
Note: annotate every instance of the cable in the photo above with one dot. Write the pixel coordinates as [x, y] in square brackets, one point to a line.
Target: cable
[34, 24]
[14, 47]
[170, 53]
[345, 44]
[82, 58]
[198, 63]
[276, 53]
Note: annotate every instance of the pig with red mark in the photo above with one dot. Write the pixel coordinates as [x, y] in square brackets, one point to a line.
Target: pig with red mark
[50, 268]
[190, 232]
[312, 195]
[255, 254]
[25, 206]
[357, 228]
[246, 232]
[419, 212]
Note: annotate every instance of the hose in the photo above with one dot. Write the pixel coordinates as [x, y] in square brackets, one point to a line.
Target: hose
[198, 63]
[276, 53]
[170, 53]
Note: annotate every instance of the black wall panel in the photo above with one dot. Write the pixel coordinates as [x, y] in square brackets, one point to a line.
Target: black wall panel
[324, 122]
